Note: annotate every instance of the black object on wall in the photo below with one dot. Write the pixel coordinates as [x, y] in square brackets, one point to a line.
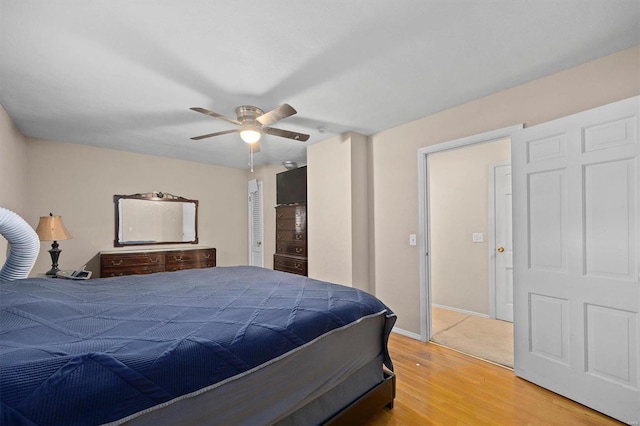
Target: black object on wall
[291, 186]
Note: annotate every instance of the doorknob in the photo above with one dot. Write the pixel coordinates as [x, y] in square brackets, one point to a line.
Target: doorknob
[258, 243]
[500, 249]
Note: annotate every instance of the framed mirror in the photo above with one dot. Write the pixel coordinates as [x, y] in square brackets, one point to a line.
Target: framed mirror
[155, 218]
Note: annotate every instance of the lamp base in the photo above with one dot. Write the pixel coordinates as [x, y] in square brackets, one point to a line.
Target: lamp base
[52, 272]
[55, 255]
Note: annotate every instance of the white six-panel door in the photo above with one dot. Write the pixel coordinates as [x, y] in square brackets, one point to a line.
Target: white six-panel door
[503, 255]
[576, 257]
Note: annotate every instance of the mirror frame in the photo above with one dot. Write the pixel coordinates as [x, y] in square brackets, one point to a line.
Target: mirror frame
[152, 196]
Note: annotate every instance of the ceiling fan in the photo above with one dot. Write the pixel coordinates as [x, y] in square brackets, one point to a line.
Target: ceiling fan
[253, 123]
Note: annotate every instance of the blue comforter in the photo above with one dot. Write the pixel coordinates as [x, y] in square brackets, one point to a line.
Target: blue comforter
[90, 352]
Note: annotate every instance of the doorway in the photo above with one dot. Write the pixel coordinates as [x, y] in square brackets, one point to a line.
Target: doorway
[501, 237]
[459, 242]
[256, 248]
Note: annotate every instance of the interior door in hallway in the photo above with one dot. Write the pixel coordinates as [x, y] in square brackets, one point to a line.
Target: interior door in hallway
[256, 248]
[503, 250]
[576, 257]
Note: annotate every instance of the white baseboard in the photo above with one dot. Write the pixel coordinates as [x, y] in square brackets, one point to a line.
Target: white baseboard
[462, 311]
[406, 333]
[416, 336]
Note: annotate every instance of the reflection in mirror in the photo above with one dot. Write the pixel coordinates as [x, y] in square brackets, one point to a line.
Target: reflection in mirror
[155, 218]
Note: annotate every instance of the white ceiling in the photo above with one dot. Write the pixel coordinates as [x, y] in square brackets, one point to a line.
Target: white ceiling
[122, 74]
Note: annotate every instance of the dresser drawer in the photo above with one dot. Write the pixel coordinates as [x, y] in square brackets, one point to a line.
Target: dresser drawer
[290, 264]
[290, 235]
[291, 224]
[179, 266]
[179, 256]
[177, 260]
[296, 248]
[132, 259]
[117, 271]
[291, 212]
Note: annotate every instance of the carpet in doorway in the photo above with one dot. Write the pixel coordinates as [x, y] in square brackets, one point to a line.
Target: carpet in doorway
[481, 337]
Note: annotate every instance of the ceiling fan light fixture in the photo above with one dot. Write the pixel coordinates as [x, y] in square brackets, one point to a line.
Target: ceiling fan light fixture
[254, 122]
[290, 165]
[250, 135]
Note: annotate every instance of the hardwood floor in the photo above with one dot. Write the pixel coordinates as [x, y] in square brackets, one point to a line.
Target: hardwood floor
[439, 386]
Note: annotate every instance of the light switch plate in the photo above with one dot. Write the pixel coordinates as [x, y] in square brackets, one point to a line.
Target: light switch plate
[478, 237]
[412, 240]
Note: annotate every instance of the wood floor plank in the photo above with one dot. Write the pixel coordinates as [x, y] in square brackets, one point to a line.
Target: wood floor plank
[439, 386]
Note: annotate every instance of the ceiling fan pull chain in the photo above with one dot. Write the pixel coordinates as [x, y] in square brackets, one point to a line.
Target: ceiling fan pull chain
[251, 155]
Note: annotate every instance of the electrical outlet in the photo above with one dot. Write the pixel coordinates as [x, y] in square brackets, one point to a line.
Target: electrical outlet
[412, 240]
[478, 237]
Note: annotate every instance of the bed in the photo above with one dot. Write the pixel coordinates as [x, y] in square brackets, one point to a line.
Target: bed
[225, 345]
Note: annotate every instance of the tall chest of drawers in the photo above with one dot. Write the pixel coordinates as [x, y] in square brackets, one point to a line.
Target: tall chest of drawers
[136, 262]
[291, 239]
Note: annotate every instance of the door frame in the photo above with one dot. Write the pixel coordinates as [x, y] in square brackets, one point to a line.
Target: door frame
[492, 236]
[423, 212]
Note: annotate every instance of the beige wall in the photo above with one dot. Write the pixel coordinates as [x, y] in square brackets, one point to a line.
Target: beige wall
[87, 177]
[329, 209]
[78, 182]
[395, 173]
[13, 171]
[337, 222]
[360, 212]
[459, 182]
[109, 172]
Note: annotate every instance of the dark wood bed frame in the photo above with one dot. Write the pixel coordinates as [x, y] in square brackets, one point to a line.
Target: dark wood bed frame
[368, 404]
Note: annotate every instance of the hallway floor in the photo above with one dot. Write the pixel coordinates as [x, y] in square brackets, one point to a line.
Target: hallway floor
[484, 338]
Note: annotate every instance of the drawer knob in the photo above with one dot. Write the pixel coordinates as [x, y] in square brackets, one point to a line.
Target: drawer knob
[154, 260]
[177, 258]
[297, 265]
[118, 263]
[298, 250]
[208, 255]
[298, 236]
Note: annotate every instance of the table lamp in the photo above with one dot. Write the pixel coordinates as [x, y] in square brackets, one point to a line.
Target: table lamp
[51, 228]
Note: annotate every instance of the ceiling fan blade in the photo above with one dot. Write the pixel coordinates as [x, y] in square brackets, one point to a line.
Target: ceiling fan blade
[215, 115]
[276, 114]
[210, 135]
[285, 134]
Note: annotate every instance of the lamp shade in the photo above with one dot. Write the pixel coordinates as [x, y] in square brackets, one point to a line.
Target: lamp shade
[51, 228]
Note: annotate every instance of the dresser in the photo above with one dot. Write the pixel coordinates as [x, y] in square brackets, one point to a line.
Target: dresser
[135, 262]
[291, 239]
